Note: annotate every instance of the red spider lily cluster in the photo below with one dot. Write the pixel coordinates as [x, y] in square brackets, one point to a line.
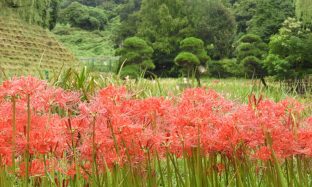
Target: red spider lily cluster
[60, 132]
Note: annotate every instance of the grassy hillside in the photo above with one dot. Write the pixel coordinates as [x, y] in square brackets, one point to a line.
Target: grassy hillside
[94, 48]
[25, 48]
[85, 43]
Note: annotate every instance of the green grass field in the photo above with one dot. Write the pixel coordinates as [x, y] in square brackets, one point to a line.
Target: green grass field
[236, 89]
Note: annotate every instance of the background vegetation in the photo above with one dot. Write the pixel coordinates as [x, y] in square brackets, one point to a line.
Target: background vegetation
[226, 28]
[242, 38]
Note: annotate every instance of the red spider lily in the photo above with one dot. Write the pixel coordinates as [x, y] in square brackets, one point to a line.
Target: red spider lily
[46, 131]
[22, 86]
[37, 168]
[264, 154]
[55, 97]
[113, 128]
[220, 168]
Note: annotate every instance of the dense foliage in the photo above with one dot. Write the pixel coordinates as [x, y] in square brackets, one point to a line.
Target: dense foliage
[209, 18]
[92, 3]
[269, 16]
[290, 54]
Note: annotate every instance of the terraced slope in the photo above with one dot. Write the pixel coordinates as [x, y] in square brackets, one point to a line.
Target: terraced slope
[27, 49]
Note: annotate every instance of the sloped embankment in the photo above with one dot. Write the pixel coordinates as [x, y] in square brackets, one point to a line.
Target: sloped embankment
[26, 49]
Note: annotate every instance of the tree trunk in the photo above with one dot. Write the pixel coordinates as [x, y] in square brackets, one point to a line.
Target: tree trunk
[197, 76]
[263, 82]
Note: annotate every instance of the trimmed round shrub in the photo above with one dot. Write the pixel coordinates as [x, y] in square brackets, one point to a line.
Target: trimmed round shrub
[197, 47]
[136, 54]
[253, 66]
[250, 52]
[187, 59]
[132, 71]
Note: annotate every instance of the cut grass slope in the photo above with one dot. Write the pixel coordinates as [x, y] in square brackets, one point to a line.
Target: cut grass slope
[25, 48]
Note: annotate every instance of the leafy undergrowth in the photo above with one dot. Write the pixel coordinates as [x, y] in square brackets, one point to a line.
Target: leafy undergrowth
[50, 137]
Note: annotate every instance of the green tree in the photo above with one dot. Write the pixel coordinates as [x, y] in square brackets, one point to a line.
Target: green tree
[290, 54]
[189, 62]
[129, 18]
[262, 17]
[135, 57]
[55, 8]
[196, 47]
[251, 51]
[164, 24]
[215, 24]
[269, 16]
[244, 11]
[85, 17]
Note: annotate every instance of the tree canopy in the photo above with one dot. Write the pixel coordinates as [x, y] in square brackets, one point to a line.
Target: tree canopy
[85, 17]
